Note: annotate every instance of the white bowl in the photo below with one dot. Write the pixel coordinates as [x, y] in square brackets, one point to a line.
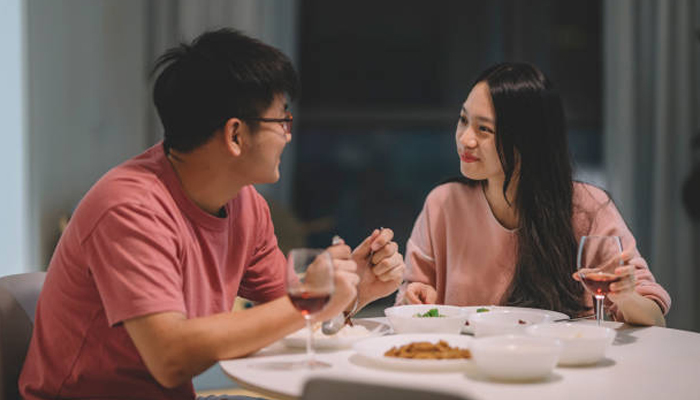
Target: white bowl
[516, 357]
[554, 315]
[583, 344]
[403, 319]
[503, 322]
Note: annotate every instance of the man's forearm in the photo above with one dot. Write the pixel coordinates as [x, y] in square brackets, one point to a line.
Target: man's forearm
[175, 349]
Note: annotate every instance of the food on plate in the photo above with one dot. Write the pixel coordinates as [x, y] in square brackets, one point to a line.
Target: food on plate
[347, 331]
[432, 313]
[479, 310]
[426, 350]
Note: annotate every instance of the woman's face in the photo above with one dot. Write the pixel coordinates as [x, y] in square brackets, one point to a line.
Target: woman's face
[476, 136]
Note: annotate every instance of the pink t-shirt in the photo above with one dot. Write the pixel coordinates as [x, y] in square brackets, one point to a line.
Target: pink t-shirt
[459, 247]
[137, 245]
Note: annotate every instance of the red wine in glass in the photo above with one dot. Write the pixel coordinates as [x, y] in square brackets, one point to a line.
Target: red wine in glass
[309, 284]
[309, 302]
[599, 282]
[596, 261]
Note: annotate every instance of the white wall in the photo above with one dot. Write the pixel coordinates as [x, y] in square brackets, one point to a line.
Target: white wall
[13, 236]
[87, 97]
[89, 90]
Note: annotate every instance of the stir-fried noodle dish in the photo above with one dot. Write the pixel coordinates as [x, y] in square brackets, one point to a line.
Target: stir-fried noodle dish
[426, 350]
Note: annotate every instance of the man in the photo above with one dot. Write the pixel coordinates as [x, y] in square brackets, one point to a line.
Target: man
[138, 295]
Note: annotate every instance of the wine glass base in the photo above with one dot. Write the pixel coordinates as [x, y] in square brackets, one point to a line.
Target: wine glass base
[315, 364]
[291, 365]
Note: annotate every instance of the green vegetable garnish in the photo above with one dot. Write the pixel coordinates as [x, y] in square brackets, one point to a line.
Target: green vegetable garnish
[482, 309]
[433, 312]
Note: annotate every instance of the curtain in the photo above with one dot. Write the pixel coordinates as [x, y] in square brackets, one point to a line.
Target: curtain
[650, 95]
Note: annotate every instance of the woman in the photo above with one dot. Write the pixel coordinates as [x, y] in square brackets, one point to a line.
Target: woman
[507, 233]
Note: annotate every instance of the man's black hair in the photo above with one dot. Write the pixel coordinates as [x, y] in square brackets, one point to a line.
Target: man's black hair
[222, 74]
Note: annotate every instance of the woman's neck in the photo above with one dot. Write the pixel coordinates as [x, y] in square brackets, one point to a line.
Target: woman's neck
[504, 210]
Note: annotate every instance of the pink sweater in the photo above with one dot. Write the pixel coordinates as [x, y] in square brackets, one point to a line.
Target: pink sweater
[458, 247]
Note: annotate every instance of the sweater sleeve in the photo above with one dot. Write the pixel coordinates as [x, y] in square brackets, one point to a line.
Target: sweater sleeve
[420, 259]
[608, 221]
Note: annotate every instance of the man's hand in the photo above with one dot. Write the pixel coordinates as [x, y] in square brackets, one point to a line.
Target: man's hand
[345, 282]
[379, 265]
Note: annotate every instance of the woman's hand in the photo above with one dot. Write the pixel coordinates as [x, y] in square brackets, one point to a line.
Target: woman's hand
[624, 287]
[420, 293]
[635, 308]
[625, 284]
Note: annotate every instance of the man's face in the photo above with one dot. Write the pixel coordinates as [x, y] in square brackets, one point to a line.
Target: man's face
[268, 142]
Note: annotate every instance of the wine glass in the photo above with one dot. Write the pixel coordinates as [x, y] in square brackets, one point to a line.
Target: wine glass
[598, 256]
[310, 286]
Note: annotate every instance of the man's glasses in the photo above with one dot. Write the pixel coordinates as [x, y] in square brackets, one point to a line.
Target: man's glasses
[286, 122]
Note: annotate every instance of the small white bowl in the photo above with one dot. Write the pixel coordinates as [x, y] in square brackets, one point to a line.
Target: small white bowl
[583, 344]
[516, 357]
[403, 319]
[503, 322]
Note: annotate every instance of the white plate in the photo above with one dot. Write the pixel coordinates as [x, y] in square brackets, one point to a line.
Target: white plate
[343, 339]
[374, 349]
[552, 315]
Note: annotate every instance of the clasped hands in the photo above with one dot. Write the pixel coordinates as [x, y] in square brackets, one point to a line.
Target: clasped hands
[374, 269]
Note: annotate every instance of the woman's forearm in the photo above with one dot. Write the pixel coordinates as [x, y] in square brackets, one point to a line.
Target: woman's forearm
[639, 310]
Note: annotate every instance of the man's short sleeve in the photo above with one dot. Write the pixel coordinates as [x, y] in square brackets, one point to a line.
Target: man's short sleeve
[264, 278]
[132, 254]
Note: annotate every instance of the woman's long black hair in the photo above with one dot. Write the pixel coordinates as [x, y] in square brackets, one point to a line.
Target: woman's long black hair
[532, 144]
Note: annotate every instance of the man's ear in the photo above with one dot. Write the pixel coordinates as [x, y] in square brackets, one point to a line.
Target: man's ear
[233, 136]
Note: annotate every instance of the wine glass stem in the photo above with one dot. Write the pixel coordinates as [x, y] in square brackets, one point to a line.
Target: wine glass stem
[310, 356]
[599, 308]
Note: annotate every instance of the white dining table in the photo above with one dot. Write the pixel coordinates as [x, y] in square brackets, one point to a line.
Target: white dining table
[643, 363]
